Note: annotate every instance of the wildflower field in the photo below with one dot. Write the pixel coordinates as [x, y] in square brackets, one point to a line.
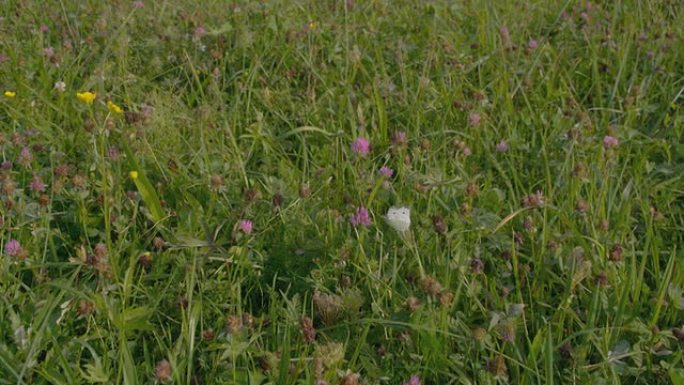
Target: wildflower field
[342, 192]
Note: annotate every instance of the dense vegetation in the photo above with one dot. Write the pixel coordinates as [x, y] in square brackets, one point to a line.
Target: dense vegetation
[195, 192]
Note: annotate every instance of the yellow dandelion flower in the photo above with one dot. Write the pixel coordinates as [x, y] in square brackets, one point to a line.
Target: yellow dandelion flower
[113, 108]
[133, 175]
[86, 97]
[312, 25]
[10, 94]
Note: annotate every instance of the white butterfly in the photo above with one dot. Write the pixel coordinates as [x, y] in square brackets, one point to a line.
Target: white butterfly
[399, 218]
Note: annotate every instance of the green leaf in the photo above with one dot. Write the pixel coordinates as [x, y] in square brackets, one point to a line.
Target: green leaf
[132, 319]
[95, 373]
[676, 375]
[147, 192]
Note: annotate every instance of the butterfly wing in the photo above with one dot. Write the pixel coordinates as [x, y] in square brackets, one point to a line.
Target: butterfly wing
[399, 218]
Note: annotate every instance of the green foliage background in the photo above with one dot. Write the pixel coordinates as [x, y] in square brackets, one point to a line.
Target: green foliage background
[247, 110]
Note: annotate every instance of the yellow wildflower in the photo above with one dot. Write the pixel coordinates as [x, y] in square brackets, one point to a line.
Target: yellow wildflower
[10, 94]
[133, 175]
[113, 108]
[86, 97]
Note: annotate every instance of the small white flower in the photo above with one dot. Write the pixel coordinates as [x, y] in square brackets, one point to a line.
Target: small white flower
[60, 86]
[20, 337]
[399, 218]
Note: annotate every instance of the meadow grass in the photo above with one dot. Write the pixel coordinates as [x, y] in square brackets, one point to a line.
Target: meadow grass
[209, 224]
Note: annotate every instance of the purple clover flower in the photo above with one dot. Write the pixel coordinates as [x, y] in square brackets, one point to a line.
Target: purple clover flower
[610, 142]
[361, 146]
[386, 172]
[360, 217]
[37, 184]
[13, 248]
[246, 226]
[502, 146]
